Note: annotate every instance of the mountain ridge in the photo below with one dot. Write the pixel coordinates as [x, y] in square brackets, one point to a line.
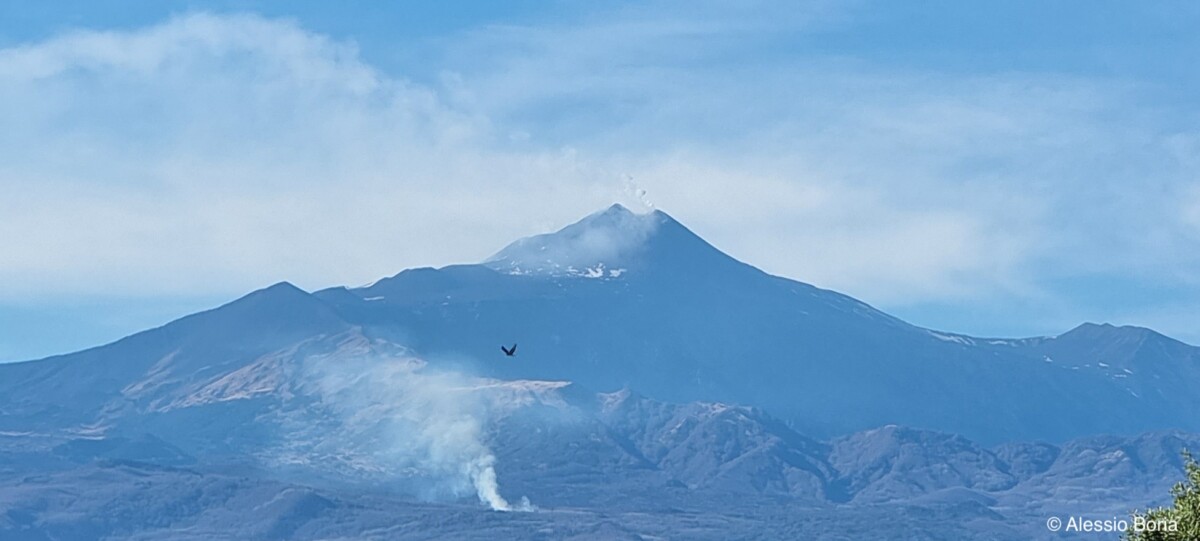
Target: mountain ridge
[683, 322]
[389, 412]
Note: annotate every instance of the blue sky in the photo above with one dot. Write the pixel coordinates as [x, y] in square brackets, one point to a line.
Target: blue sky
[994, 168]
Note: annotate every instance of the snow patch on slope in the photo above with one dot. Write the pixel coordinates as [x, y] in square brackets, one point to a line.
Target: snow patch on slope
[955, 338]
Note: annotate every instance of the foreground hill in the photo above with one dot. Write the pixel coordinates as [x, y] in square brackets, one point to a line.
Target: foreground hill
[347, 437]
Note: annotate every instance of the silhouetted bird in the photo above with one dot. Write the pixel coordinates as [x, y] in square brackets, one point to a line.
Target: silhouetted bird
[508, 351]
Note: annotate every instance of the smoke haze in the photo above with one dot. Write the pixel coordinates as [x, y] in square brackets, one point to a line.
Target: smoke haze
[401, 420]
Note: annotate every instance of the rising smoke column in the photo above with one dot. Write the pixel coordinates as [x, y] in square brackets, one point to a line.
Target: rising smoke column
[408, 421]
[483, 476]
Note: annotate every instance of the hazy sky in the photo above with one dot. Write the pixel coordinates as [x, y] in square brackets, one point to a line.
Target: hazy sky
[1005, 168]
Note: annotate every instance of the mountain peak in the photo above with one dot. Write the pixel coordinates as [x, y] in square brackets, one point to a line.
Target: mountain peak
[279, 309]
[1108, 347]
[1091, 330]
[606, 244]
[618, 215]
[616, 208]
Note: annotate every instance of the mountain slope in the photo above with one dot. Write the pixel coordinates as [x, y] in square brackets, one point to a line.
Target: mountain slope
[621, 299]
[137, 372]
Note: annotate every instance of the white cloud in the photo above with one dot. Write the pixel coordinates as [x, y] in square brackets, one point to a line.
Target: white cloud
[221, 153]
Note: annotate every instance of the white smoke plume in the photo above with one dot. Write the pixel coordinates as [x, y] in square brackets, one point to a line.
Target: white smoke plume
[638, 194]
[397, 419]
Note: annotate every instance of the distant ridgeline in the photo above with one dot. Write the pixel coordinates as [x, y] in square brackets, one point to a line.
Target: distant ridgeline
[625, 300]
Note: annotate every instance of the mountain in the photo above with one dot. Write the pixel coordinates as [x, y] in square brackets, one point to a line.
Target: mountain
[621, 299]
[661, 388]
[637, 300]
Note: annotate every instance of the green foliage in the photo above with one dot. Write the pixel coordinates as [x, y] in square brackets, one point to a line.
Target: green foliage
[1184, 514]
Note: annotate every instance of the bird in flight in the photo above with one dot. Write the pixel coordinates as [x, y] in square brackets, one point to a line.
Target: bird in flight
[509, 351]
